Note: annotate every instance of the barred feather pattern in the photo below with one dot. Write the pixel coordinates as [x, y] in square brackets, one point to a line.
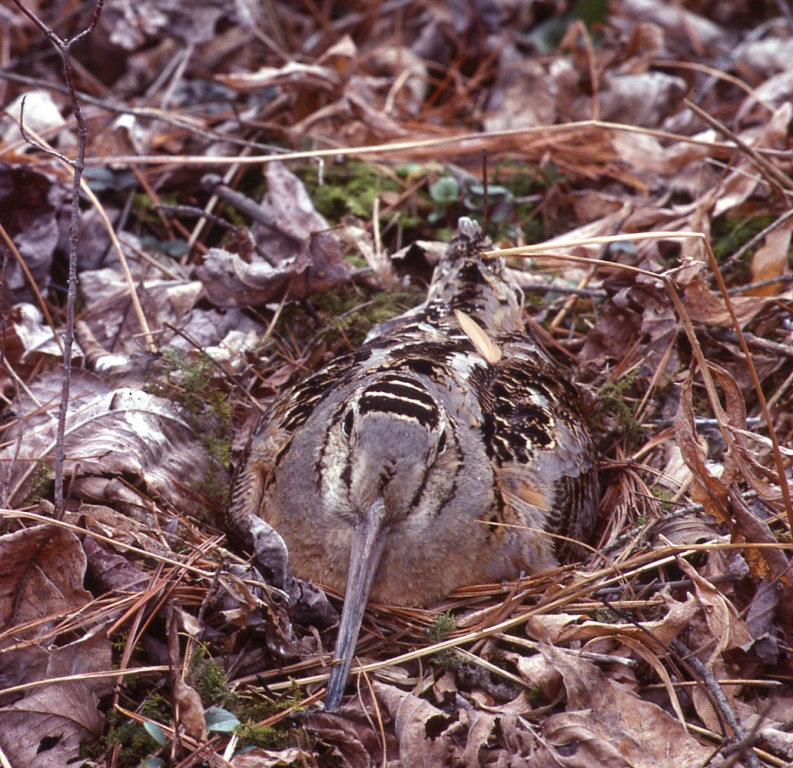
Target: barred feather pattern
[480, 469]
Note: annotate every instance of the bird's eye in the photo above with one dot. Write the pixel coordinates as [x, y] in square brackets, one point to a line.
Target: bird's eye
[346, 425]
[442, 443]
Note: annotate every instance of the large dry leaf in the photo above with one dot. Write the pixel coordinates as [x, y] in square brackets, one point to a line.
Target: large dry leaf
[726, 626]
[469, 739]
[109, 308]
[301, 257]
[41, 575]
[108, 433]
[606, 724]
[46, 728]
[707, 307]
[560, 629]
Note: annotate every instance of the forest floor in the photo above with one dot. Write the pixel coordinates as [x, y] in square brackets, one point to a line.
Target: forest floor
[264, 182]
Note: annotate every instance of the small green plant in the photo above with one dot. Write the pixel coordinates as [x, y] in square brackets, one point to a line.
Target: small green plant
[443, 627]
[252, 710]
[729, 233]
[349, 314]
[134, 740]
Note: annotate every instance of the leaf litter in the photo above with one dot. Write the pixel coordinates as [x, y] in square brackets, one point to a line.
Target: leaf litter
[129, 631]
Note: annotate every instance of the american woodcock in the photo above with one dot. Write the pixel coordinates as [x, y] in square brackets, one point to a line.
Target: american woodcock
[447, 450]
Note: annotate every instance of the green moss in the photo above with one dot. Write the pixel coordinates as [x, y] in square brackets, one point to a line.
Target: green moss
[210, 681]
[134, 740]
[729, 233]
[187, 380]
[252, 710]
[350, 187]
[348, 313]
[617, 411]
[40, 484]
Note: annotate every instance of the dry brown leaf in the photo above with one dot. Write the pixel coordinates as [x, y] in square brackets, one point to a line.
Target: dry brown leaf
[707, 489]
[41, 574]
[560, 629]
[602, 714]
[727, 628]
[538, 672]
[708, 307]
[47, 727]
[191, 711]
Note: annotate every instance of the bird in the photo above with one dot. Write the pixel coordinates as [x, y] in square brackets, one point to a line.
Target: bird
[447, 450]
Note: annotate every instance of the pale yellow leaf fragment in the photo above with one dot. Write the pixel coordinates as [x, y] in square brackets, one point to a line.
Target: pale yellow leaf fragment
[485, 346]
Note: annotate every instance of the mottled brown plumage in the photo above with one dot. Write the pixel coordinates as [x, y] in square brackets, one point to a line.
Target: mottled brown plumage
[434, 456]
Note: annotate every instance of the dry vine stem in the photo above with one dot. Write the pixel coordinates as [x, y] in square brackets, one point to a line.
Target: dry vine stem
[470, 143]
[542, 250]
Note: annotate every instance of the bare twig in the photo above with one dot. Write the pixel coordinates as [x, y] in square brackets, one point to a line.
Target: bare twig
[78, 163]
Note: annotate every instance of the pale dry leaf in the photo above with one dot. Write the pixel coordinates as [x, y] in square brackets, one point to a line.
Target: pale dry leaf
[744, 179]
[770, 260]
[524, 95]
[642, 152]
[107, 301]
[484, 345]
[775, 91]
[35, 339]
[767, 56]
[408, 74]
[126, 431]
[559, 629]
[231, 281]
[293, 74]
[267, 758]
[678, 21]
[645, 99]
[41, 115]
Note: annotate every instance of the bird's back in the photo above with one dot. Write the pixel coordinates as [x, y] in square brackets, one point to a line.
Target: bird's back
[509, 465]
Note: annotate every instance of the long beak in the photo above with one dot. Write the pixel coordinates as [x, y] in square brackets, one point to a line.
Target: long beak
[367, 547]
